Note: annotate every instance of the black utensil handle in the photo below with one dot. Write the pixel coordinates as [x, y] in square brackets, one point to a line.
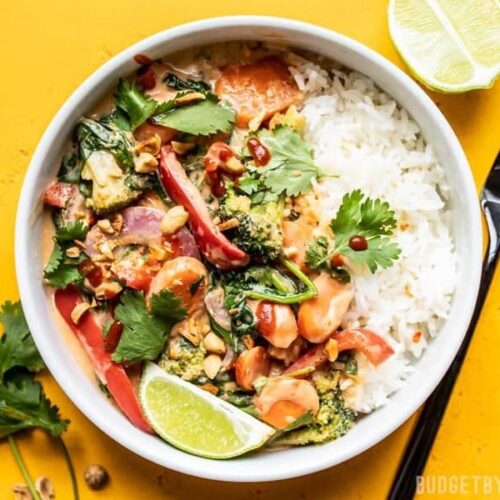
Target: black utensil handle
[427, 426]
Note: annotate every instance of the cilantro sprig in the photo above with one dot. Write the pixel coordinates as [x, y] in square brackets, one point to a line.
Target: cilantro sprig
[358, 215]
[144, 333]
[23, 403]
[290, 170]
[204, 117]
[130, 99]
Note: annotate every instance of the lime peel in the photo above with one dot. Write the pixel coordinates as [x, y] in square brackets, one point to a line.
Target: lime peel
[196, 421]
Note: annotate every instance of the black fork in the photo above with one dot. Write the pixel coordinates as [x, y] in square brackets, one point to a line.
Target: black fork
[427, 426]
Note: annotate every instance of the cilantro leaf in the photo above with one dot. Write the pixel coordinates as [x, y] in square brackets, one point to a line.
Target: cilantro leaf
[144, 334]
[73, 230]
[373, 220]
[16, 345]
[168, 306]
[358, 215]
[202, 118]
[173, 81]
[60, 271]
[291, 167]
[137, 105]
[23, 405]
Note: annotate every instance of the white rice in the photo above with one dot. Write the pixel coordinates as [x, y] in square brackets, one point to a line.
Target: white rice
[362, 135]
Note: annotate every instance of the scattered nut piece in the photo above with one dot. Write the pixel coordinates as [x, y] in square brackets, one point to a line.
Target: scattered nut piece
[105, 226]
[96, 477]
[108, 289]
[151, 145]
[73, 252]
[80, 214]
[79, 310]
[21, 492]
[190, 97]
[234, 166]
[158, 253]
[45, 487]
[228, 224]
[404, 225]
[211, 365]
[145, 163]
[296, 173]
[182, 148]
[332, 350]
[213, 343]
[105, 249]
[173, 220]
[290, 252]
[211, 388]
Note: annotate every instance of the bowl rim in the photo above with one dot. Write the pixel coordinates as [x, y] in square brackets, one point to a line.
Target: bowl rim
[23, 253]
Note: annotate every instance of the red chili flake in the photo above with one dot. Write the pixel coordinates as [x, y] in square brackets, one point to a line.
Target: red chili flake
[147, 80]
[417, 336]
[259, 152]
[143, 59]
[358, 243]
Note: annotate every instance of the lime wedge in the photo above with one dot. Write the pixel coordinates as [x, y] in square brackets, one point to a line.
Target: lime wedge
[449, 45]
[194, 420]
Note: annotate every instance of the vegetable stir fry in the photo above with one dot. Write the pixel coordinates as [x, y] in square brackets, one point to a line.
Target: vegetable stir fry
[183, 237]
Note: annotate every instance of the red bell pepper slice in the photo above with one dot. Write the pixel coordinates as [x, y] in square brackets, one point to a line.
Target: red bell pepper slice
[373, 346]
[115, 378]
[213, 244]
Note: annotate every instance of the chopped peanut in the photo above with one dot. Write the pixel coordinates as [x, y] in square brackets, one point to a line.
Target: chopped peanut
[190, 98]
[212, 365]
[73, 252]
[228, 224]
[108, 289]
[213, 343]
[182, 148]
[173, 220]
[332, 350]
[211, 388]
[234, 166]
[105, 226]
[79, 310]
[151, 145]
[145, 163]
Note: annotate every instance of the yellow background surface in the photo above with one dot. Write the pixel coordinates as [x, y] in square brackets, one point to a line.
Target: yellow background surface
[46, 50]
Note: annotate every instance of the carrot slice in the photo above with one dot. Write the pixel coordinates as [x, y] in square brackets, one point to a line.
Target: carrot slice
[259, 89]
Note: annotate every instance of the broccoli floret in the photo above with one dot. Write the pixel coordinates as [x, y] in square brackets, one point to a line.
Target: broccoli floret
[183, 359]
[332, 421]
[259, 229]
[325, 380]
[110, 191]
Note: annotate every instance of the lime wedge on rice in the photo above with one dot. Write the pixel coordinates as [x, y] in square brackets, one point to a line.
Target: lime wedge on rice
[450, 45]
[194, 420]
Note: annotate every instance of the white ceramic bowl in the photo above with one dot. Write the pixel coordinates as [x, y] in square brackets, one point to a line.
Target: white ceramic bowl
[430, 369]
